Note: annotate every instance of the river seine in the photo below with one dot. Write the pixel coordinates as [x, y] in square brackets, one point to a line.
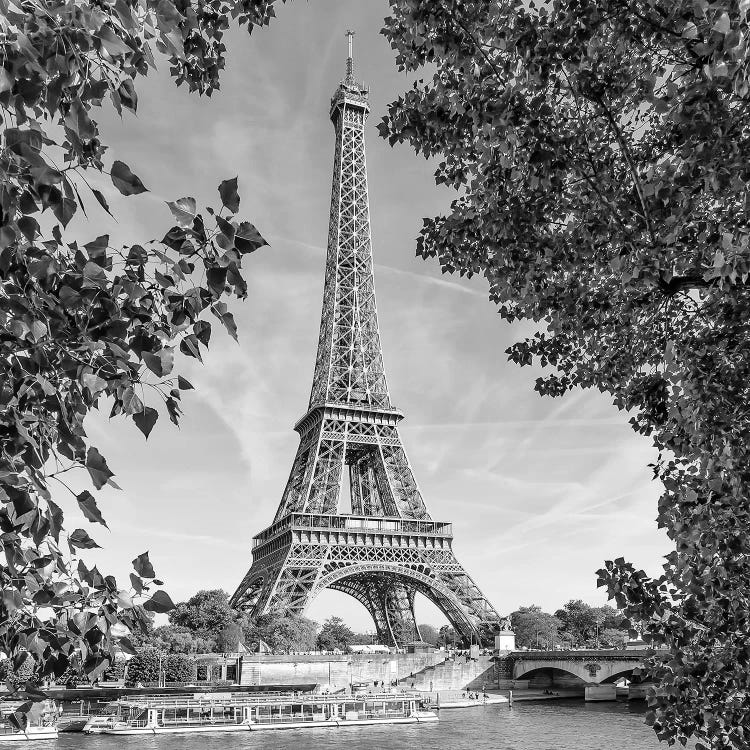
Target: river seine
[552, 725]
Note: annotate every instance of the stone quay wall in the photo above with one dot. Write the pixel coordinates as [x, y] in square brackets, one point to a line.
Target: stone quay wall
[337, 670]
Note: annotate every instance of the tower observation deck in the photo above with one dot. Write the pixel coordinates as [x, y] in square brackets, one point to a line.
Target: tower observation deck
[388, 548]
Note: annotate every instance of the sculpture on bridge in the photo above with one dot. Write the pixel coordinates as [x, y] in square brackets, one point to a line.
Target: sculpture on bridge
[593, 669]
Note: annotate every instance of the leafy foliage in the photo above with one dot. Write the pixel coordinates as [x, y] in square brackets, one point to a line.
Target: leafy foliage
[18, 672]
[144, 667]
[175, 639]
[230, 639]
[207, 611]
[448, 637]
[115, 672]
[205, 623]
[599, 149]
[335, 634]
[613, 638]
[430, 634]
[283, 633]
[71, 677]
[84, 323]
[535, 628]
[179, 668]
[582, 623]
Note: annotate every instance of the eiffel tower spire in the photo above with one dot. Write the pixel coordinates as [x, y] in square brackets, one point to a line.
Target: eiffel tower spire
[350, 59]
[349, 366]
[388, 547]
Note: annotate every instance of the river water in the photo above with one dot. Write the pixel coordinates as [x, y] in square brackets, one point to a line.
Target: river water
[550, 725]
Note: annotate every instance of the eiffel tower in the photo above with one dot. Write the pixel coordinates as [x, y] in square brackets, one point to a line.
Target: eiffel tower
[388, 548]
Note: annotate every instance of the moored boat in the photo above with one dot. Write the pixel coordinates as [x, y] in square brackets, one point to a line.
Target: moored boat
[30, 734]
[41, 723]
[242, 713]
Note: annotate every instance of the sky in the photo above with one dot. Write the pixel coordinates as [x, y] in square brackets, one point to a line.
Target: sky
[540, 491]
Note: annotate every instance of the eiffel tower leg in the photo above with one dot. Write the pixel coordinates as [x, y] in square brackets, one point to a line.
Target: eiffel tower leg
[399, 607]
[366, 590]
[281, 582]
[389, 602]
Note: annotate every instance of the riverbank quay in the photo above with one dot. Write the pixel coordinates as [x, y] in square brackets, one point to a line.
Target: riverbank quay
[531, 694]
[448, 699]
[441, 699]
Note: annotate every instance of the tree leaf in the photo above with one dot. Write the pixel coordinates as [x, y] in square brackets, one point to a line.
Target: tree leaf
[125, 181]
[183, 384]
[79, 538]
[143, 566]
[29, 226]
[216, 279]
[113, 44]
[125, 643]
[87, 504]
[125, 601]
[161, 362]
[101, 199]
[229, 196]
[189, 346]
[127, 93]
[136, 583]
[94, 383]
[131, 404]
[247, 238]
[183, 210]
[97, 468]
[722, 23]
[146, 419]
[160, 603]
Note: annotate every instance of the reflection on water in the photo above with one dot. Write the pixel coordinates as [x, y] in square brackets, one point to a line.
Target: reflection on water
[553, 725]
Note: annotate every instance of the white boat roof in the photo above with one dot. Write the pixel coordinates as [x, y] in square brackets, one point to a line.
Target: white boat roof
[246, 699]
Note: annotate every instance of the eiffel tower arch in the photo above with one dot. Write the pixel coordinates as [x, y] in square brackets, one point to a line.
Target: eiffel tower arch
[388, 548]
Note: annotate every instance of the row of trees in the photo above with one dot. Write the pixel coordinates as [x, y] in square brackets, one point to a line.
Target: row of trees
[206, 623]
[152, 665]
[576, 624]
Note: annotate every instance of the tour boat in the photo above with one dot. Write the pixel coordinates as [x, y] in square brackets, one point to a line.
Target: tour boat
[240, 713]
[42, 723]
[30, 734]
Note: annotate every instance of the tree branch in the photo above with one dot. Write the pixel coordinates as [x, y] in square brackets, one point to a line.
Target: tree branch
[631, 165]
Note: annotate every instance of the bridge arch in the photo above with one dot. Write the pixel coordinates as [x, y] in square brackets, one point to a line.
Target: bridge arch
[546, 676]
[626, 673]
[350, 579]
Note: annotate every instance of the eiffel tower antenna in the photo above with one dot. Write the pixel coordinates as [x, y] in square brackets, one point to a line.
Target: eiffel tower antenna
[350, 59]
[386, 548]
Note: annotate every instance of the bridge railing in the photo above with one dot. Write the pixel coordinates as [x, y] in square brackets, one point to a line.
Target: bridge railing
[611, 653]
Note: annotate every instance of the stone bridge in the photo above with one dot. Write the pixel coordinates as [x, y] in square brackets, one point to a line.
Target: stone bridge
[576, 668]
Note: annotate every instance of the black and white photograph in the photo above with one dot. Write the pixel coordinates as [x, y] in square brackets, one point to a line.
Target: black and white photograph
[377, 371]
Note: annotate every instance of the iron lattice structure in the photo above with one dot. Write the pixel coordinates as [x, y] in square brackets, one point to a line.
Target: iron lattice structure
[388, 548]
